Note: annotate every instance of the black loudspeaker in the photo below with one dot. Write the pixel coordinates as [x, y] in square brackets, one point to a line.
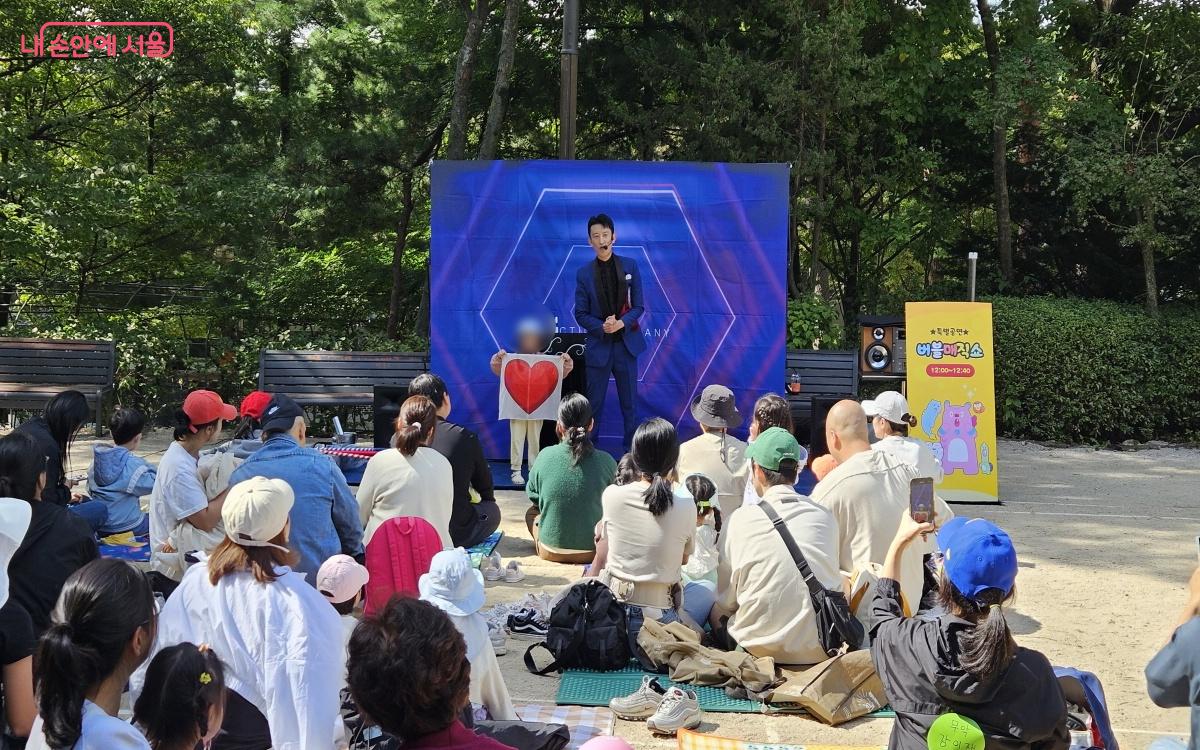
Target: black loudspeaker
[385, 407]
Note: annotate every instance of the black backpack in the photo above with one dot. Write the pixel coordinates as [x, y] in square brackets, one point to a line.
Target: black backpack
[587, 630]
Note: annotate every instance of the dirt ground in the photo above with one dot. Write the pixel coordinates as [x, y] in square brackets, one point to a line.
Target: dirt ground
[1106, 540]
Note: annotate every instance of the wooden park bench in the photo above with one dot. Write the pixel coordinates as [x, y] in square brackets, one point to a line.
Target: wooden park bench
[32, 371]
[320, 378]
[826, 376]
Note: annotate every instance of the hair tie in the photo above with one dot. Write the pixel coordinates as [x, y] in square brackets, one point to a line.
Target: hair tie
[993, 607]
[205, 678]
[416, 424]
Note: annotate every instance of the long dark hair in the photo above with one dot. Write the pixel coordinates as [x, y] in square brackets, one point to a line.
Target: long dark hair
[988, 647]
[182, 425]
[772, 410]
[64, 415]
[901, 428]
[182, 684]
[574, 417]
[20, 466]
[655, 452]
[416, 423]
[626, 472]
[101, 607]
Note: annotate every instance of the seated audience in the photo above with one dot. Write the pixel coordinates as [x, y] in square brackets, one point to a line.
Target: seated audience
[408, 671]
[1173, 675]
[649, 529]
[250, 413]
[55, 431]
[454, 586]
[700, 572]
[964, 659]
[714, 453]
[325, 517]
[763, 602]
[470, 522]
[868, 494]
[411, 479]
[57, 543]
[565, 487]
[103, 629]
[17, 641]
[182, 517]
[890, 420]
[182, 704]
[341, 581]
[770, 410]
[119, 478]
[277, 637]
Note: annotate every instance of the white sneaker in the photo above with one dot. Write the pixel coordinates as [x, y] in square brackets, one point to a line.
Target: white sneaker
[492, 567]
[640, 704]
[680, 709]
[499, 638]
[513, 573]
[517, 478]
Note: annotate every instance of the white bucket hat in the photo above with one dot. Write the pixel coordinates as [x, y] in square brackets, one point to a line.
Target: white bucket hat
[14, 522]
[452, 584]
[891, 405]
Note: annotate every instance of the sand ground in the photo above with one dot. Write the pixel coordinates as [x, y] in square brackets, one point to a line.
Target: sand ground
[1106, 540]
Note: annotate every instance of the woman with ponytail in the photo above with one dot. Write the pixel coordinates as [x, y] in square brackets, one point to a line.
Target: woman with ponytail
[409, 479]
[648, 530]
[182, 702]
[565, 486]
[964, 660]
[103, 629]
[58, 542]
[890, 421]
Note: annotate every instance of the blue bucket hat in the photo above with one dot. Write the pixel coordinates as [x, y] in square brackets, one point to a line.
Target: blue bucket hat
[977, 555]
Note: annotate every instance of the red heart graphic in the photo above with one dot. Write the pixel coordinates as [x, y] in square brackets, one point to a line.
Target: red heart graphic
[530, 386]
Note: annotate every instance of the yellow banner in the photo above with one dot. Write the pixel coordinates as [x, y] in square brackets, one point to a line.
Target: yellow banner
[952, 392]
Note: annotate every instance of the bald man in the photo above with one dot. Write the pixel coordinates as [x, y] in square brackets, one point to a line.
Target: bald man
[868, 494]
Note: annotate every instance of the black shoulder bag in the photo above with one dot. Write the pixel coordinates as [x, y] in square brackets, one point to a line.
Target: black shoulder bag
[837, 628]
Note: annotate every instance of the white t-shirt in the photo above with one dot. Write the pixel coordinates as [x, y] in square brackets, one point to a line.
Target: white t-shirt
[642, 547]
[420, 485]
[177, 494]
[100, 732]
[913, 452]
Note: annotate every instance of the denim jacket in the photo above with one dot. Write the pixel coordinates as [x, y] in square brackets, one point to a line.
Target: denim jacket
[325, 514]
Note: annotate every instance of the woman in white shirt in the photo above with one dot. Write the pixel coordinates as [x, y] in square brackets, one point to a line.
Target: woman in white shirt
[890, 420]
[277, 636]
[649, 529]
[101, 630]
[411, 480]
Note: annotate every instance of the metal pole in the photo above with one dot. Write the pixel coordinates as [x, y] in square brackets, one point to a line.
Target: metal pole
[972, 259]
[568, 80]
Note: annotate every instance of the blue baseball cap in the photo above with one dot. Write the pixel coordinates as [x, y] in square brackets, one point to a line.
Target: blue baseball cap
[977, 555]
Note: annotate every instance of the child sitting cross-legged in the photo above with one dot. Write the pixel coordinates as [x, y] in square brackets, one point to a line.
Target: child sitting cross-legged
[119, 478]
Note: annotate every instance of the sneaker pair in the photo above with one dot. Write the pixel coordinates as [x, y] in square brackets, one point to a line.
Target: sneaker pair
[493, 569]
[665, 711]
[527, 625]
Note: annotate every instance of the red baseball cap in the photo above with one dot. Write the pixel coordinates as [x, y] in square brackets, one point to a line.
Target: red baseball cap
[202, 407]
[255, 403]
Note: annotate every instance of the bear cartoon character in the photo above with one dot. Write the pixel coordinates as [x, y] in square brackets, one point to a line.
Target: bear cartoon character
[957, 436]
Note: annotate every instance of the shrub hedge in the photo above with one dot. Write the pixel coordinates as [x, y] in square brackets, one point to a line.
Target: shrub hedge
[1085, 371]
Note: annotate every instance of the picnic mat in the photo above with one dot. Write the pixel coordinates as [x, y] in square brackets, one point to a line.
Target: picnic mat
[585, 687]
[585, 722]
[139, 553]
[689, 740]
[485, 548]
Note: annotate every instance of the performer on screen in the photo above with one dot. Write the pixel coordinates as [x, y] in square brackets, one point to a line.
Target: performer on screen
[608, 303]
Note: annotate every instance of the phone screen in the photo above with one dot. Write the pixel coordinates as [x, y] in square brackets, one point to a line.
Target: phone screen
[920, 499]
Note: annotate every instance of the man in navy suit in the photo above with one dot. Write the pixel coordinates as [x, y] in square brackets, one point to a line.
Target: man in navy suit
[608, 303]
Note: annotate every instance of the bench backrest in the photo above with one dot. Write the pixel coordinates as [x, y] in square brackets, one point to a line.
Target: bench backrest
[63, 362]
[300, 373]
[823, 373]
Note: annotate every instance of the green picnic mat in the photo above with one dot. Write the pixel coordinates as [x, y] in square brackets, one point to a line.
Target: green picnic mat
[585, 687]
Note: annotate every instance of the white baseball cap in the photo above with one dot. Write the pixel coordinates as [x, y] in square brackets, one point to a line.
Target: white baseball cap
[891, 405]
[14, 522]
[340, 578]
[452, 584]
[256, 511]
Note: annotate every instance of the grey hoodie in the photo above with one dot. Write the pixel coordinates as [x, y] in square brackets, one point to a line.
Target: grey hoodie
[918, 660]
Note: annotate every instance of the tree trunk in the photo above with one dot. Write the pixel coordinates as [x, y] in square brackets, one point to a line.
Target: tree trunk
[398, 248]
[1146, 219]
[504, 66]
[463, 72]
[991, 44]
[814, 266]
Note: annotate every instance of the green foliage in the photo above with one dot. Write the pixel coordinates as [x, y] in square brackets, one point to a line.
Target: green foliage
[1096, 372]
[813, 324]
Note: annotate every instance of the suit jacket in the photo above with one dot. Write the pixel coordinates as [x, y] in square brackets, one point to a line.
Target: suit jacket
[590, 314]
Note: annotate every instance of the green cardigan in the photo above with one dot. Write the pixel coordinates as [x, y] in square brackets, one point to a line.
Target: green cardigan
[568, 497]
